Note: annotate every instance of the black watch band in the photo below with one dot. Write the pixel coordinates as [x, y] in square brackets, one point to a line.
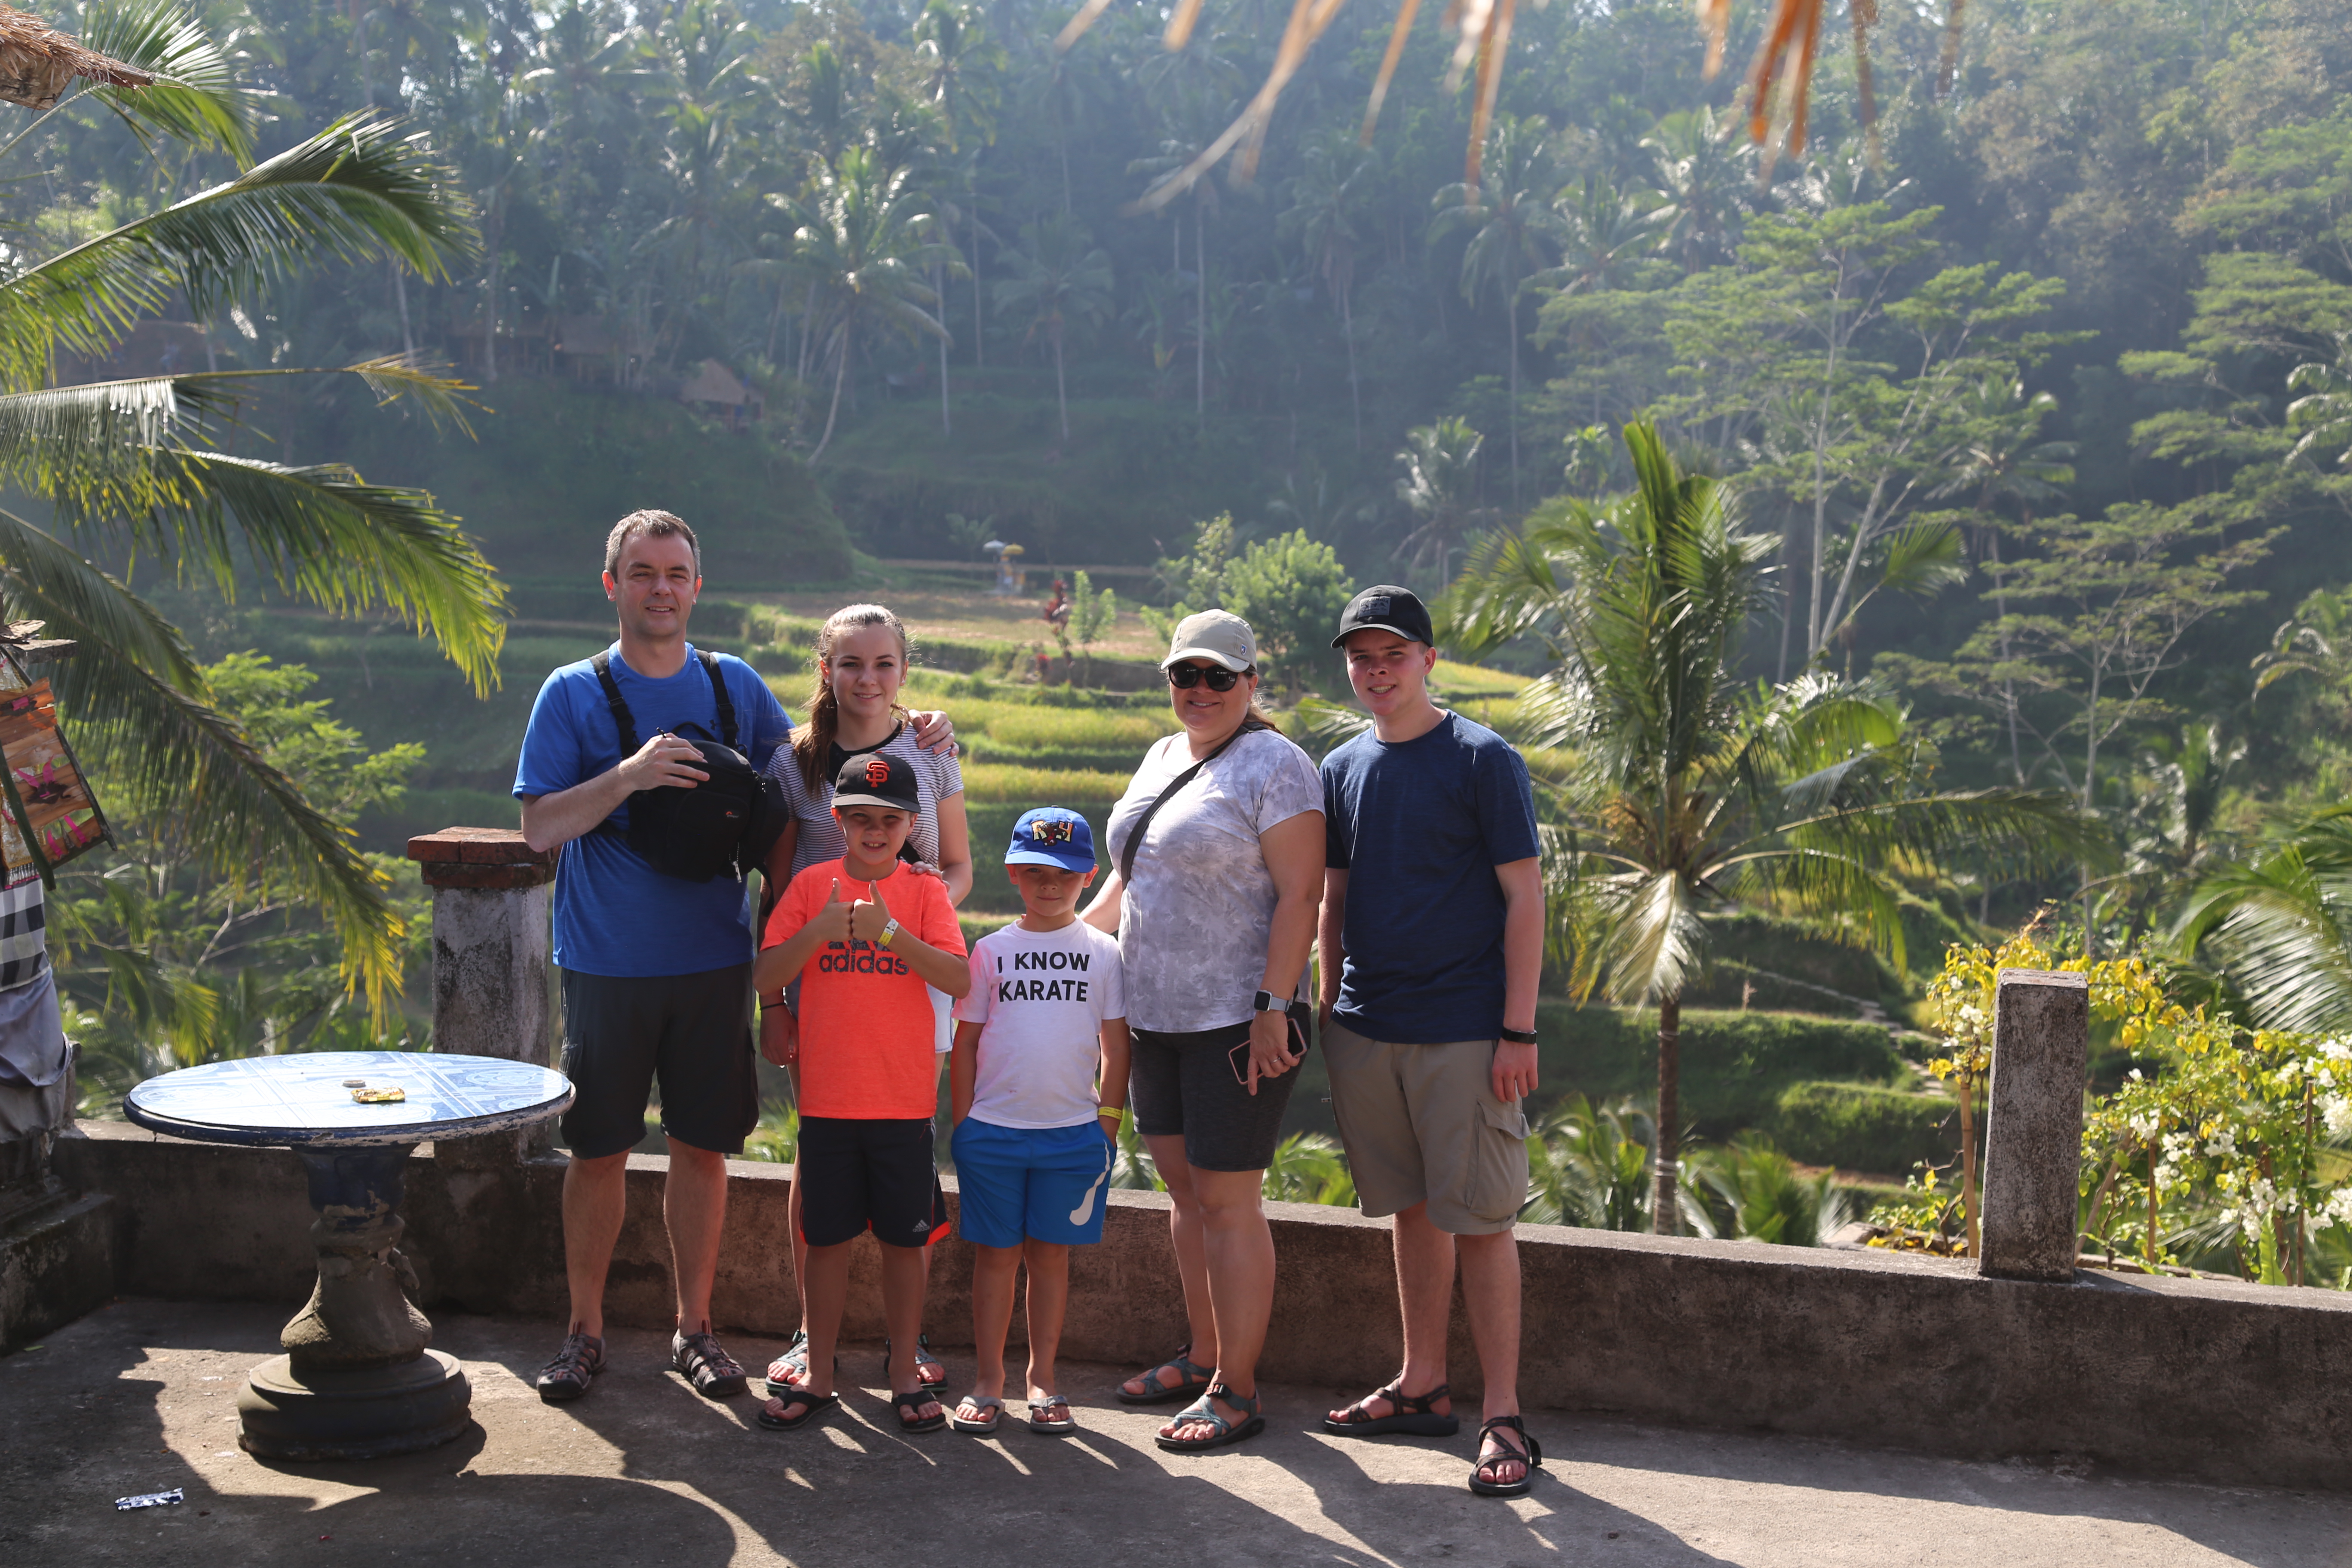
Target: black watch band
[1267, 1002]
[1520, 1037]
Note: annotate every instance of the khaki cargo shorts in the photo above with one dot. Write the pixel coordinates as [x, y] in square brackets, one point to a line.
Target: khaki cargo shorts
[1421, 1123]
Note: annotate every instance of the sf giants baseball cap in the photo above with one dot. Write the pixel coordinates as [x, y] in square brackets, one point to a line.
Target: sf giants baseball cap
[876, 778]
[1386, 608]
[1051, 836]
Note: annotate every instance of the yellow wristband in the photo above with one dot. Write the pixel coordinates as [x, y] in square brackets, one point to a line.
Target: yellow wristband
[1118, 1111]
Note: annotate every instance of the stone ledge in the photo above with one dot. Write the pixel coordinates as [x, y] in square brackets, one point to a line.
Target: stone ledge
[2224, 1381]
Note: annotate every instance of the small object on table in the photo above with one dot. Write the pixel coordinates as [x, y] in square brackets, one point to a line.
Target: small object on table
[150, 1500]
[357, 1381]
[392, 1096]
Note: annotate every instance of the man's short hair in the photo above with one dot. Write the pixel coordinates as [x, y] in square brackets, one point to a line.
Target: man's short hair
[647, 525]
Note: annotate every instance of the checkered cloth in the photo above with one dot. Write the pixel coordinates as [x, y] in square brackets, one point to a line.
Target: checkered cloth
[24, 936]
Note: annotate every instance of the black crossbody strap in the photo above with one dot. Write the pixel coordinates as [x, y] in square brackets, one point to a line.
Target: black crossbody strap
[603, 665]
[718, 690]
[1135, 838]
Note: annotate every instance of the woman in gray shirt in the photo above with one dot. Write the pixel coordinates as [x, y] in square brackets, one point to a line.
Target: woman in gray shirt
[1217, 876]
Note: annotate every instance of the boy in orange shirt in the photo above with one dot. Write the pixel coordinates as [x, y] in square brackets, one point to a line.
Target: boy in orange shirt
[866, 936]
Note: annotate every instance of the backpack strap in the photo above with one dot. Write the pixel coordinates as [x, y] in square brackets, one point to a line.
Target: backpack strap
[1135, 838]
[709, 662]
[603, 665]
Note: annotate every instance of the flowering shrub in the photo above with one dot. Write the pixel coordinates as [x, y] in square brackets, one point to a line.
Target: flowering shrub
[2221, 1157]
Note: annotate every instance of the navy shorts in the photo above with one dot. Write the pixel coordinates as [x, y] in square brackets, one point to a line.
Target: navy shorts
[1192, 1084]
[857, 1175]
[1046, 1184]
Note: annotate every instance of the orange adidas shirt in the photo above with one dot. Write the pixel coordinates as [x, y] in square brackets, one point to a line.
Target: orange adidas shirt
[867, 1026]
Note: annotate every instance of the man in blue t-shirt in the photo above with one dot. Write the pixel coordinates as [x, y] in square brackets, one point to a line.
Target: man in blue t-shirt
[1432, 943]
[656, 971]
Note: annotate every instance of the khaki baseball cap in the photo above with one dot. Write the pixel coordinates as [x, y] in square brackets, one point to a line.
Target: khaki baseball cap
[1219, 634]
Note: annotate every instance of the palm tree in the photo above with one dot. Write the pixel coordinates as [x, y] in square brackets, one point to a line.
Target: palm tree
[136, 466]
[1441, 472]
[865, 242]
[1705, 172]
[1512, 233]
[1061, 283]
[1603, 233]
[1693, 790]
[1326, 197]
[2279, 928]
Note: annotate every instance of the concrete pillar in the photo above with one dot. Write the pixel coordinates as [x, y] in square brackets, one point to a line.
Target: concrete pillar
[2033, 1124]
[493, 988]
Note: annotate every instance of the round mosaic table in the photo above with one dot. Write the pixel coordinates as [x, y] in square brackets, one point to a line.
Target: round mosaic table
[358, 1379]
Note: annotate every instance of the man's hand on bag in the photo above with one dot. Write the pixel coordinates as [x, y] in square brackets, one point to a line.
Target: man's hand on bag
[780, 1036]
[831, 922]
[1515, 1072]
[665, 760]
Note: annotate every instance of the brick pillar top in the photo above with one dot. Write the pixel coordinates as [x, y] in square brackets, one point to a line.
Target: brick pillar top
[487, 858]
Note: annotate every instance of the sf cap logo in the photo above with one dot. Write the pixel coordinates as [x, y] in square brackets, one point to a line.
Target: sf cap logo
[877, 771]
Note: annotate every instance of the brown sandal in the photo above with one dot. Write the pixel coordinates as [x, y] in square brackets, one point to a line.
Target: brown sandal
[1415, 1416]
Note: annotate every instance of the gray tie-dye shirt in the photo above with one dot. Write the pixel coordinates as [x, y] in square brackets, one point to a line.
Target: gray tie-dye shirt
[1193, 924]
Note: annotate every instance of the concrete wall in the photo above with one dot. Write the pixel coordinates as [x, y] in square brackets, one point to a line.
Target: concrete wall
[2229, 1382]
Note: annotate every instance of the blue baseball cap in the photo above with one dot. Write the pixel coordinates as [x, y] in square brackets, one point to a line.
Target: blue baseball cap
[1051, 836]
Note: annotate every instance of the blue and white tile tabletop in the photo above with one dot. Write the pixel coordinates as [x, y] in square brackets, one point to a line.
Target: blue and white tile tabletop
[304, 1100]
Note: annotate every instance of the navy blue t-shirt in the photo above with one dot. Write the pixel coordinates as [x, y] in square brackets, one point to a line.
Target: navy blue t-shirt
[614, 914]
[1419, 826]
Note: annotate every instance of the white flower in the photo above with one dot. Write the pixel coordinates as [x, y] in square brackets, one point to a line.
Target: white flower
[2336, 1110]
[2223, 1142]
[2132, 1075]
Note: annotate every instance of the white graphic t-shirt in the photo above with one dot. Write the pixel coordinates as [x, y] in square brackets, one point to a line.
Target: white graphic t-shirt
[1040, 998]
[1194, 923]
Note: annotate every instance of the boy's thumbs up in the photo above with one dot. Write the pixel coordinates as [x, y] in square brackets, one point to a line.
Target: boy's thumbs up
[836, 892]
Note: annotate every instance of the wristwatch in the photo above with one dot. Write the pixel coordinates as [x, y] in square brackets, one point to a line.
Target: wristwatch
[888, 932]
[1520, 1037]
[1267, 1002]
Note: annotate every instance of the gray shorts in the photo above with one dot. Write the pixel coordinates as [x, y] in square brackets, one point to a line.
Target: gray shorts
[1421, 1124]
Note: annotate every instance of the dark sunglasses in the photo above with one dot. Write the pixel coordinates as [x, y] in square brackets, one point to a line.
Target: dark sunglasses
[1184, 677]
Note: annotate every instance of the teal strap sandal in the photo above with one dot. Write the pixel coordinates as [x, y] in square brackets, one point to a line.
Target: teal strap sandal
[1227, 1433]
[1197, 1379]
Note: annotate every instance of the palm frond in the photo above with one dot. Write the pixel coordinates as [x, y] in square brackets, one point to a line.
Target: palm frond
[43, 576]
[194, 99]
[2277, 928]
[156, 741]
[357, 190]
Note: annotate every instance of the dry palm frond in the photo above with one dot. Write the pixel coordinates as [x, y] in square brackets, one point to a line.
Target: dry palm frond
[38, 62]
[1783, 70]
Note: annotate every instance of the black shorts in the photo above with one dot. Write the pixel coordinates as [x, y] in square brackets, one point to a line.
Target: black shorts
[691, 1031]
[1185, 1083]
[857, 1174]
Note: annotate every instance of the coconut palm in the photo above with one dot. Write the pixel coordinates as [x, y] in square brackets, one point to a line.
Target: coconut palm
[1440, 476]
[1061, 285]
[2279, 928]
[865, 242]
[136, 468]
[1604, 232]
[1327, 197]
[1692, 789]
[1514, 233]
[1706, 173]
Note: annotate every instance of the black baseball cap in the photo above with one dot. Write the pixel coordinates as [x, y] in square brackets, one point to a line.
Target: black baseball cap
[1386, 608]
[876, 778]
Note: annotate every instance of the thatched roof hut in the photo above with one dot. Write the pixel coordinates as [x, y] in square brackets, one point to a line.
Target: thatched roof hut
[37, 62]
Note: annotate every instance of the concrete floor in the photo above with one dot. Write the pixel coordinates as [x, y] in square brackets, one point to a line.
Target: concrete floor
[141, 1397]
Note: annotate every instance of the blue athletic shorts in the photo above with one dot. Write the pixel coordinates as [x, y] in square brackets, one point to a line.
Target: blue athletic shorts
[1045, 1182]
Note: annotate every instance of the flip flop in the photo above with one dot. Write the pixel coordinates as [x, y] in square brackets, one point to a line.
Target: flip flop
[1533, 1458]
[1227, 1432]
[1197, 1379]
[816, 1402]
[988, 1402]
[908, 1404]
[1412, 1416]
[929, 1370]
[789, 1369]
[1051, 1429]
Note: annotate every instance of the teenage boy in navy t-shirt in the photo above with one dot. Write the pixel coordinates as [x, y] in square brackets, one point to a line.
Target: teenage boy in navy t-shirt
[1432, 942]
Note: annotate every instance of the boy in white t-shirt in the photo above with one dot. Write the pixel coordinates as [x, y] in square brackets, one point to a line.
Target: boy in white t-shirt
[1036, 1086]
